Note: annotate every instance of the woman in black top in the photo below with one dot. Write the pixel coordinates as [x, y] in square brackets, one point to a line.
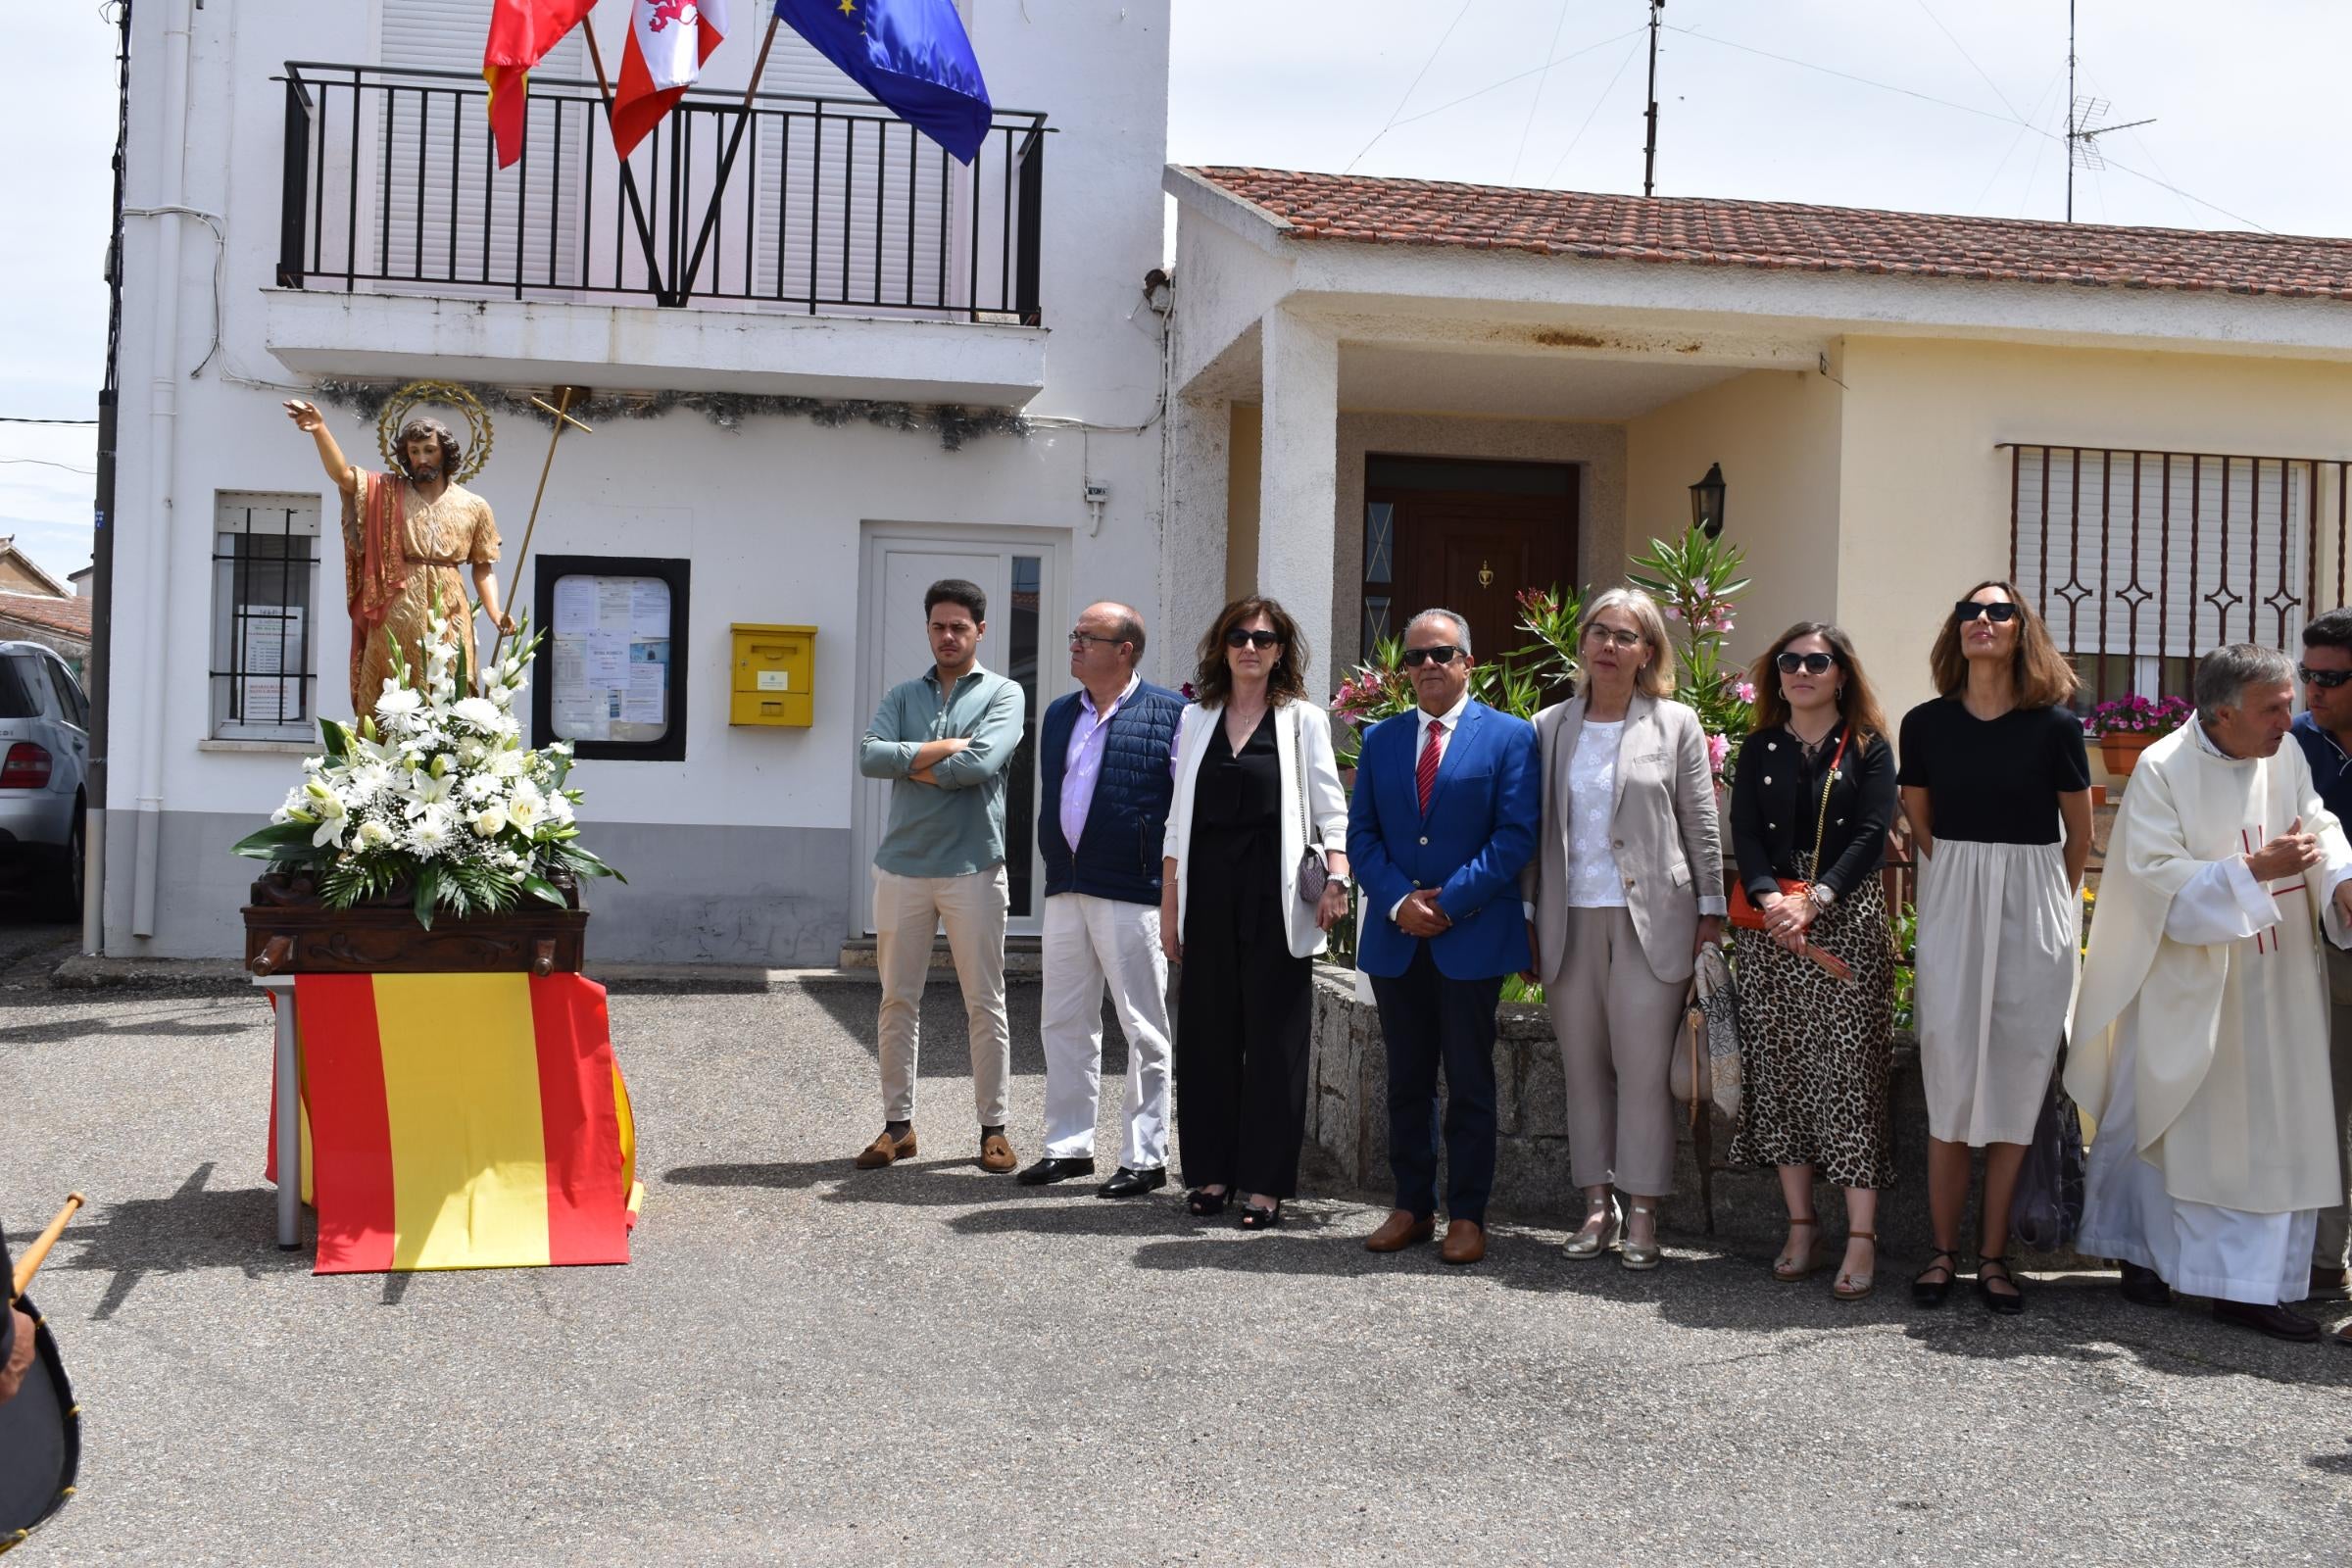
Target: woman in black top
[1994, 774]
[1816, 771]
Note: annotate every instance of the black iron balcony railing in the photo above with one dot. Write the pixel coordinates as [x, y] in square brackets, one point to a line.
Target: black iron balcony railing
[828, 205]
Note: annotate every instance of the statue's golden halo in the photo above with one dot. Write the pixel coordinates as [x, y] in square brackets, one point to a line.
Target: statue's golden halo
[445, 394]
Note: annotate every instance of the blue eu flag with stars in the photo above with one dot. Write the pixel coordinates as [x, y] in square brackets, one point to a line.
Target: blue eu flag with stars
[911, 55]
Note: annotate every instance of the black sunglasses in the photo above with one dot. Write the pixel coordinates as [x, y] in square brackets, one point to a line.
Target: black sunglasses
[1242, 637]
[2325, 680]
[1442, 653]
[1968, 609]
[1810, 663]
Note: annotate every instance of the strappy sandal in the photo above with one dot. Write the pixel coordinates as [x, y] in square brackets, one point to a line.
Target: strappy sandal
[1854, 1286]
[1202, 1203]
[1790, 1269]
[2001, 1306]
[1254, 1219]
[1926, 1292]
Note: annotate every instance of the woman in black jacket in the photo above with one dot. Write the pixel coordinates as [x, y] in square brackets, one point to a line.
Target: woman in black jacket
[1811, 803]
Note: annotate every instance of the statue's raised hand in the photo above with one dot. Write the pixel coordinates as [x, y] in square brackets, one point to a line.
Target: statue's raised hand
[306, 416]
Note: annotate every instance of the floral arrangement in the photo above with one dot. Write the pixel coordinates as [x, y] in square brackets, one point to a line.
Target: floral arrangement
[434, 799]
[1695, 582]
[2136, 715]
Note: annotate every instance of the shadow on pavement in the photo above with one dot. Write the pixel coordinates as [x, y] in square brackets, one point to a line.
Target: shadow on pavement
[196, 1227]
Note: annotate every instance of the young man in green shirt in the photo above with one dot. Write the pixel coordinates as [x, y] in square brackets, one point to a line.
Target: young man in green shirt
[945, 739]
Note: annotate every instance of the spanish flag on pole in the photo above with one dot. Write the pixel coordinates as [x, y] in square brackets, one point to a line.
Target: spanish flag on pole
[464, 1121]
[521, 32]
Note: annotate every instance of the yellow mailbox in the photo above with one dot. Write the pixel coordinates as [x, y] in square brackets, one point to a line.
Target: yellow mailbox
[775, 675]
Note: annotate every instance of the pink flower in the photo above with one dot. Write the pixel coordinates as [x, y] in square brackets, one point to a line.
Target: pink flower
[1718, 748]
[1745, 691]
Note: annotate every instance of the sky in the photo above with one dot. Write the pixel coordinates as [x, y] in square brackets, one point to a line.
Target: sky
[1918, 105]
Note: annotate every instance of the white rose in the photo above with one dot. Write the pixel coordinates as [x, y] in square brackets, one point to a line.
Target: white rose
[491, 820]
[375, 834]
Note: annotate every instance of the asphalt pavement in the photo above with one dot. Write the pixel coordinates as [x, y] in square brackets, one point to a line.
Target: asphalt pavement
[810, 1364]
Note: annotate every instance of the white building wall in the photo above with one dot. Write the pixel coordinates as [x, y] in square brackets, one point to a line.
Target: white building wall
[741, 852]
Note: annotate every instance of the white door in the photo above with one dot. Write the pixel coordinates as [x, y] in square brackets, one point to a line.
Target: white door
[1021, 570]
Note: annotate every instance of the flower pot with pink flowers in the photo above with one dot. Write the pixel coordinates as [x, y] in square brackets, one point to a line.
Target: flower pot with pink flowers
[2128, 725]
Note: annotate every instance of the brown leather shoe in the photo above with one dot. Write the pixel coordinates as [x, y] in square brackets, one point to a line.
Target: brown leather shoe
[884, 1149]
[1399, 1231]
[1465, 1242]
[996, 1155]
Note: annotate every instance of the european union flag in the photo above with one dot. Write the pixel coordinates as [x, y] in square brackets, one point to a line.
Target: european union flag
[911, 55]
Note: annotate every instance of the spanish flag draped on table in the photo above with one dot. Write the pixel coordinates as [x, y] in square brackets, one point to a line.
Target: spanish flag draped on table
[463, 1121]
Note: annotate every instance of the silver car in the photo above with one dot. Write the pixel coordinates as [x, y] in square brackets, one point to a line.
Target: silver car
[44, 766]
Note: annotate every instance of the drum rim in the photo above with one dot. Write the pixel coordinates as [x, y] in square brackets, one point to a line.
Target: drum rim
[52, 1364]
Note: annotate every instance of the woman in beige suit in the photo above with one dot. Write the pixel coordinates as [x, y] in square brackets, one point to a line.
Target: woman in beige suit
[1625, 886]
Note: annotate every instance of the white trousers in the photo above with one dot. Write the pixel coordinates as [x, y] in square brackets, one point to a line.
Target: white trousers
[1090, 942]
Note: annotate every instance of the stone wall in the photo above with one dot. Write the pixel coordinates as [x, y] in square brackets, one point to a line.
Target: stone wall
[1347, 1122]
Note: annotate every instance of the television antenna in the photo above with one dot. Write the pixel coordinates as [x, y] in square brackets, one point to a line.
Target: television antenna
[2081, 136]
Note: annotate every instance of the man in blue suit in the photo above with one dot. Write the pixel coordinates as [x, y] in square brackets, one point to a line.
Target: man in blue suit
[1446, 801]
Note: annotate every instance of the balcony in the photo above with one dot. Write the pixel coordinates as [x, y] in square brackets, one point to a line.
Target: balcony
[792, 244]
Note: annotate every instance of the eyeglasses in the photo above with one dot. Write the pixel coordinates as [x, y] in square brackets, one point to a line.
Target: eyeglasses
[1615, 637]
[1810, 663]
[1968, 609]
[1078, 637]
[1242, 637]
[2325, 680]
[1441, 653]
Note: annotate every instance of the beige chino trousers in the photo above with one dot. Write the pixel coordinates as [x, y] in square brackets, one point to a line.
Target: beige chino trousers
[2335, 1225]
[1615, 1021]
[908, 911]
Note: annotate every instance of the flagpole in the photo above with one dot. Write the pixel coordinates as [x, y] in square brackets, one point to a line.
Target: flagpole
[561, 410]
[628, 180]
[726, 162]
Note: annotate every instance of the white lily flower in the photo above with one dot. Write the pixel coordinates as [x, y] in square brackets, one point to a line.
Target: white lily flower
[526, 807]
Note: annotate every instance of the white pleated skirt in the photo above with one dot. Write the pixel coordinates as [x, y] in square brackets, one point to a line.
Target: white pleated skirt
[1994, 978]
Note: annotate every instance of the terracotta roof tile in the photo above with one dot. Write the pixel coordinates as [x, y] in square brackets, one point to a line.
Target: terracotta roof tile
[68, 615]
[1773, 235]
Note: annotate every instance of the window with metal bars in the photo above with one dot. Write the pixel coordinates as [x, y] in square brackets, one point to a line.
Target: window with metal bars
[264, 684]
[2141, 560]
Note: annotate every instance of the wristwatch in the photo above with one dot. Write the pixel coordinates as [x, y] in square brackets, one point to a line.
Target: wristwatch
[1822, 895]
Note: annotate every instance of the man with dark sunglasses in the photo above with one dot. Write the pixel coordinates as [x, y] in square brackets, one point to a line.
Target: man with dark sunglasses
[2323, 730]
[1443, 817]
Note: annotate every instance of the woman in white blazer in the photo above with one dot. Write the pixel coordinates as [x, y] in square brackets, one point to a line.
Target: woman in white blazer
[1256, 787]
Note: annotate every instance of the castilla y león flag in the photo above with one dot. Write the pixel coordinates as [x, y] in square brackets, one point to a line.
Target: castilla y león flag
[463, 1121]
[669, 41]
[521, 32]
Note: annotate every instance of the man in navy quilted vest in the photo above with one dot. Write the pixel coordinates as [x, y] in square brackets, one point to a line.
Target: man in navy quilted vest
[1102, 810]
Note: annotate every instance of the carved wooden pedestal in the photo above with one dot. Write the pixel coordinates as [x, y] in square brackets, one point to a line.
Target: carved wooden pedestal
[289, 931]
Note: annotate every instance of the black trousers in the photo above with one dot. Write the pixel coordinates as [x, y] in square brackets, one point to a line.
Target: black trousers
[1431, 1022]
[1243, 1019]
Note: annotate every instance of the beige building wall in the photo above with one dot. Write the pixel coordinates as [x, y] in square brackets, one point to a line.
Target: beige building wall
[1777, 434]
[1923, 485]
[1241, 502]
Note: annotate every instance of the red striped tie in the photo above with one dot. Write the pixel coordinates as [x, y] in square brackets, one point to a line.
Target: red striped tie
[1426, 774]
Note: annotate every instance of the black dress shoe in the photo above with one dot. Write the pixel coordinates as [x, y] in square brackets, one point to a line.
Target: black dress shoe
[1055, 1169]
[2145, 1286]
[1134, 1183]
[2276, 1321]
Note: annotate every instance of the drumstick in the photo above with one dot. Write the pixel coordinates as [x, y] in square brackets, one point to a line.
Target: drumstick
[39, 1249]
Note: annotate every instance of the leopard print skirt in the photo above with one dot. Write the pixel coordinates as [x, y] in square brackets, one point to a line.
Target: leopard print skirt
[1815, 1054]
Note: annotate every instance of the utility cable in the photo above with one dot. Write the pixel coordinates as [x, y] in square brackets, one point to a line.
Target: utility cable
[1541, 80]
[1594, 113]
[1408, 91]
[1965, 109]
[1517, 76]
[1971, 59]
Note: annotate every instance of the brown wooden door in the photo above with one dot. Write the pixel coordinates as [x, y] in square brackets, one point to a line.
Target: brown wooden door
[1472, 550]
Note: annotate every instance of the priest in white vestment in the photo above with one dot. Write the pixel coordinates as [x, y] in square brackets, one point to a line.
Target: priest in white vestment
[2199, 1046]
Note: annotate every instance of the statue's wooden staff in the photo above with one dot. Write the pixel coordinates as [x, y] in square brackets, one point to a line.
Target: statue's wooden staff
[566, 397]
